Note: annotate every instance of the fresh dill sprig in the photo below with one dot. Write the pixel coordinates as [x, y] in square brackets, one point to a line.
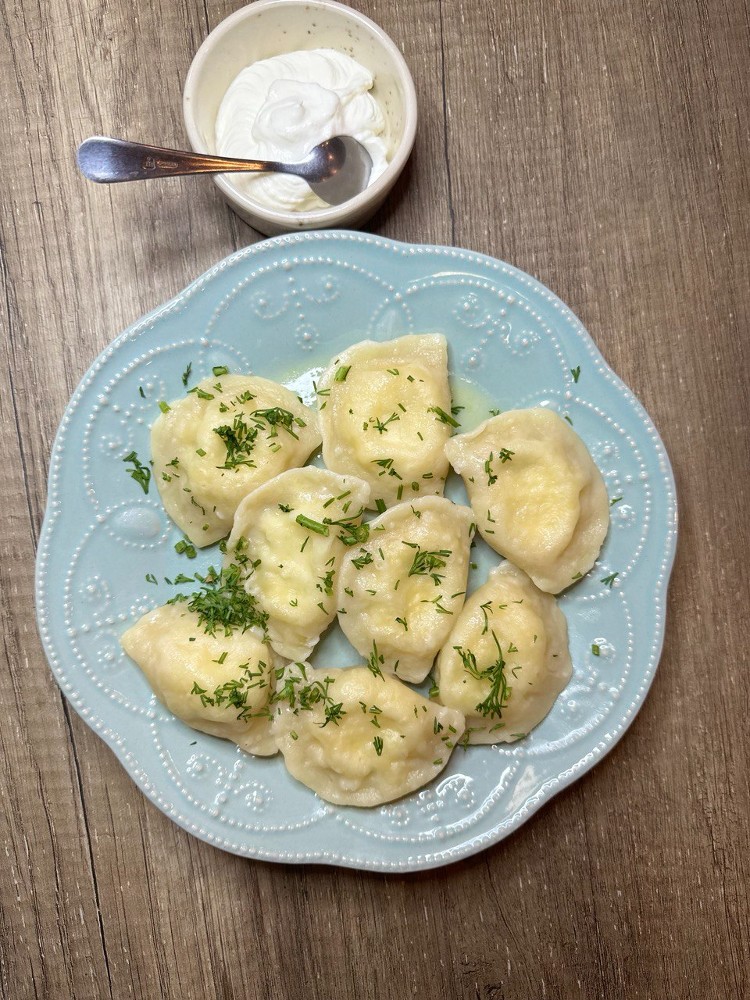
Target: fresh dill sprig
[427, 563]
[442, 416]
[499, 691]
[374, 661]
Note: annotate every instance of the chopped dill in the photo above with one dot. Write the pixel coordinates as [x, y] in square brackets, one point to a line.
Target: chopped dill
[499, 691]
[442, 416]
[427, 563]
[140, 472]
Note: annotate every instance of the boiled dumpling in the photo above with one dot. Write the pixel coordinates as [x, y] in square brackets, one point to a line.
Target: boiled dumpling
[290, 536]
[229, 435]
[358, 739]
[537, 496]
[385, 415]
[399, 591]
[217, 683]
[506, 660]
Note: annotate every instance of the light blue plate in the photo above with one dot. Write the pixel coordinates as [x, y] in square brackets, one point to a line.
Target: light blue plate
[282, 308]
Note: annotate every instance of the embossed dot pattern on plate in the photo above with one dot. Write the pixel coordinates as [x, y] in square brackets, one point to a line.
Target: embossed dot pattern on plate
[281, 309]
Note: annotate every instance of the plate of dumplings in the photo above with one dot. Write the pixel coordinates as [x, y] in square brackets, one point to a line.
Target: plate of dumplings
[356, 552]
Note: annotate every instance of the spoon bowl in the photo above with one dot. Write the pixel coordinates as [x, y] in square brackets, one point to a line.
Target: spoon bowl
[336, 170]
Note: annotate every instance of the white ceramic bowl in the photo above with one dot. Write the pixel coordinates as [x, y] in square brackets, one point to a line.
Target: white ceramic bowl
[268, 28]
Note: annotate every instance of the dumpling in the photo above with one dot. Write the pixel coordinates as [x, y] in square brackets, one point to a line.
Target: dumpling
[538, 498]
[358, 739]
[398, 592]
[229, 435]
[506, 659]
[290, 536]
[385, 415]
[217, 683]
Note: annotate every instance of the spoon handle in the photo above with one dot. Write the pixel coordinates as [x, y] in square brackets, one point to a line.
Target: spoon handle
[109, 161]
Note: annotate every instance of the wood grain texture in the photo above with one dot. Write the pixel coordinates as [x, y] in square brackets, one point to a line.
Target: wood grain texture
[601, 146]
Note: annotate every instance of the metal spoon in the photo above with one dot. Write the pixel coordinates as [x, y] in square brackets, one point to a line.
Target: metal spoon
[336, 170]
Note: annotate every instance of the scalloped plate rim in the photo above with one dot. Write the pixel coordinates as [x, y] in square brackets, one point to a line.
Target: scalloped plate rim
[116, 742]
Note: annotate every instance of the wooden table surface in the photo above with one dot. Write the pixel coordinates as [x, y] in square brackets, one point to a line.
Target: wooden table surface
[601, 146]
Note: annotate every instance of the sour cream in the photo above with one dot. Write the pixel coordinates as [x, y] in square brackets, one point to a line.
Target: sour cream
[279, 108]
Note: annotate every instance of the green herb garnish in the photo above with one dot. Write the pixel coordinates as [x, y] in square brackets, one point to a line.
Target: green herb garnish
[352, 533]
[484, 608]
[500, 690]
[307, 697]
[239, 441]
[386, 465]
[381, 426]
[426, 564]
[311, 525]
[364, 560]
[222, 603]
[140, 472]
[374, 661]
[443, 417]
[186, 548]
[276, 416]
[234, 693]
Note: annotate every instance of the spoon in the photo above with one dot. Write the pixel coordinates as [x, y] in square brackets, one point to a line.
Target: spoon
[336, 170]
